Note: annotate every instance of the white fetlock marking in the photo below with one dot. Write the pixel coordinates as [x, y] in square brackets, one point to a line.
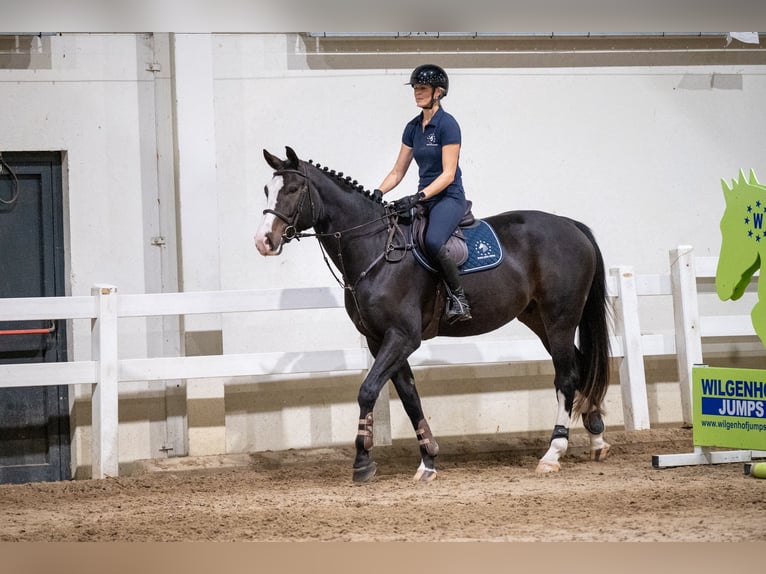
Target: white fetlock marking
[599, 448]
[557, 449]
[423, 469]
[597, 441]
[563, 418]
[550, 460]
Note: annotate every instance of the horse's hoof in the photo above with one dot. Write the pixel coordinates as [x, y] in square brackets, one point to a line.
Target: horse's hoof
[423, 475]
[365, 473]
[600, 454]
[547, 467]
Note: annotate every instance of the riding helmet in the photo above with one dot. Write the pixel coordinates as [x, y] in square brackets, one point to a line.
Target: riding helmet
[430, 75]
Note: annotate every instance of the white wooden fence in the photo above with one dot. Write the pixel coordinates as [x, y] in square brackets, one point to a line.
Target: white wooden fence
[105, 371]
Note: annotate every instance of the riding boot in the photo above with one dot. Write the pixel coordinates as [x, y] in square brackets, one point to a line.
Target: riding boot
[458, 308]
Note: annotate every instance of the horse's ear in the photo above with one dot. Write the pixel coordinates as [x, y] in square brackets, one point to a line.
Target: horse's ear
[292, 157]
[272, 160]
[726, 189]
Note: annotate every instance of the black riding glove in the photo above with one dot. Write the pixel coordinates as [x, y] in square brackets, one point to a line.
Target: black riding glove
[404, 204]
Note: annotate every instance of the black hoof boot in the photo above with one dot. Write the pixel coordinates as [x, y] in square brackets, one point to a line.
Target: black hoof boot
[593, 422]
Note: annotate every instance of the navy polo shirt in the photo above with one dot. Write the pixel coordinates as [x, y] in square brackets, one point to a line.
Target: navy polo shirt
[426, 144]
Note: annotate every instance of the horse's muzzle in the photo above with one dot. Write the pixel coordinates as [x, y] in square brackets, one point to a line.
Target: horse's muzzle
[267, 246]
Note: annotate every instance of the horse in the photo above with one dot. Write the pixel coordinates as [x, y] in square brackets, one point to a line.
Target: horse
[743, 245]
[551, 278]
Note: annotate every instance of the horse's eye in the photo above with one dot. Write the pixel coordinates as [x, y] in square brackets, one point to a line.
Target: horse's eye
[293, 188]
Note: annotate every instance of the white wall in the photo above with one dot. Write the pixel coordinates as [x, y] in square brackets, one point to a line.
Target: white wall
[636, 152]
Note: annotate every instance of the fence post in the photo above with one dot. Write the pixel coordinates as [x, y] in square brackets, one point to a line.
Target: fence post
[105, 422]
[683, 279]
[635, 405]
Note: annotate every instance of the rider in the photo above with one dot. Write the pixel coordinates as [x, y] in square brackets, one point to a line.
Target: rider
[432, 138]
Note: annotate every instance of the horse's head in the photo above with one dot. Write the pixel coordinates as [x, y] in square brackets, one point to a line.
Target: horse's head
[743, 235]
[289, 209]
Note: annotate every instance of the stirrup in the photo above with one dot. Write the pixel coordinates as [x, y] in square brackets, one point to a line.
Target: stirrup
[457, 308]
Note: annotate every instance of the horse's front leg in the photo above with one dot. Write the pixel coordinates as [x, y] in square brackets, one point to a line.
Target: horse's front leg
[404, 381]
[390, 355]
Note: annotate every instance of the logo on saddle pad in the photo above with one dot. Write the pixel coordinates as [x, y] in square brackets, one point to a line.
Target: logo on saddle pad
[484, 250]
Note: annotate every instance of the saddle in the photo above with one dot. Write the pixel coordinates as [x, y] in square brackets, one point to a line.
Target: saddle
[456, 245]
[473, 246]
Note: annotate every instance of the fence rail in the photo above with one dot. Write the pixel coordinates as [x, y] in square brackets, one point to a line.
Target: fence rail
[105, 371]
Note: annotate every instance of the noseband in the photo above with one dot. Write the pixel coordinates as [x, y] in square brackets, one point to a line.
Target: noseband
[291, 231]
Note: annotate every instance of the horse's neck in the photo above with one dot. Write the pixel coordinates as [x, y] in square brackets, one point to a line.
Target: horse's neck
[352, 232]
[347, 212]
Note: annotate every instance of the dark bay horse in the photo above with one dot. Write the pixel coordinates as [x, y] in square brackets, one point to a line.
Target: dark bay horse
[552, 279]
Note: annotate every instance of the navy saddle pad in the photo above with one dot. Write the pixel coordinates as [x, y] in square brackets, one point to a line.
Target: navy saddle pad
[482, 244]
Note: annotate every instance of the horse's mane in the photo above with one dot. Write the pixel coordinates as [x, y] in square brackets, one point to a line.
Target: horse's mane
[348, 183]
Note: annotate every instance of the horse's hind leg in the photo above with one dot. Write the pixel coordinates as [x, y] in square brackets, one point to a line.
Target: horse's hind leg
[594, 424]
[559, 438]
[562, 349]
[405, 387]
[566, 382]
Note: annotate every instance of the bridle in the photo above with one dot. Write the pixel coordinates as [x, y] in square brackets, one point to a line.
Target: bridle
[291, 231]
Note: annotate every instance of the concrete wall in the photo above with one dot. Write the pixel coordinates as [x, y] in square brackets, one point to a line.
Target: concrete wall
[162, 136]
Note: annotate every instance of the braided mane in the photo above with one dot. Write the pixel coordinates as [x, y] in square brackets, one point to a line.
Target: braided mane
[348, 183]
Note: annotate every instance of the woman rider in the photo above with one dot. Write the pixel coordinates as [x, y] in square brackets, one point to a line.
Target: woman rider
[432, 138]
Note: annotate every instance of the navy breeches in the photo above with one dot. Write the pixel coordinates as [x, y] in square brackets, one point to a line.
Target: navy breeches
[444, 215]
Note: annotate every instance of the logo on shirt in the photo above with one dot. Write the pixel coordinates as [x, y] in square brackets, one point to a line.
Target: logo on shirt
[431, 139]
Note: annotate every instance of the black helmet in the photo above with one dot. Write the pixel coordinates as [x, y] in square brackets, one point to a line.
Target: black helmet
[430, 75]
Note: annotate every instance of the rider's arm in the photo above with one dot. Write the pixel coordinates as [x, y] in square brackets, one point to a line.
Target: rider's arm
[399, 170]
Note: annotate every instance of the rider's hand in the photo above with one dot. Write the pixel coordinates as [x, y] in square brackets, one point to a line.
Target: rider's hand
[404, 204]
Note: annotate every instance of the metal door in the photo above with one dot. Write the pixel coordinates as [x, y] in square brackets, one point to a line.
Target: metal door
[34, 421]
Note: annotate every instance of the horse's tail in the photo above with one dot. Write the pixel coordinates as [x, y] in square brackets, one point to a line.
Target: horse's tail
[594, 340]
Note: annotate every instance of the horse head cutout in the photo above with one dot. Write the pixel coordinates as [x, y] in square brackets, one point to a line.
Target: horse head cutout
[743, 245]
